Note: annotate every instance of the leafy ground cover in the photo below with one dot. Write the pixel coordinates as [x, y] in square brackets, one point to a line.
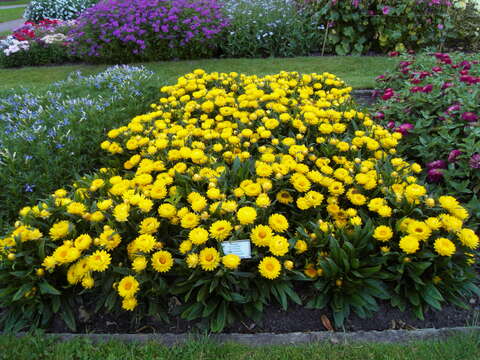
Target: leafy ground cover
[11, 14]
[45, 348]
[358, 71]
[434, 100]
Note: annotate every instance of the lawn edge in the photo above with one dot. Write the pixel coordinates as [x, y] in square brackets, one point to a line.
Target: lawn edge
[262, 339]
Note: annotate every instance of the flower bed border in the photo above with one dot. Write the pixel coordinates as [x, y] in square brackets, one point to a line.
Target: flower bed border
[262, 339]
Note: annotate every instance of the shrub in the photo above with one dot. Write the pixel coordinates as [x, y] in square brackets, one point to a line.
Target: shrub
[48, 138]
[127, 30]
[283, 163]
[435, 102]
[466, 25]
[40, 43]
[359, 26]
[56, 9]
[268, 28]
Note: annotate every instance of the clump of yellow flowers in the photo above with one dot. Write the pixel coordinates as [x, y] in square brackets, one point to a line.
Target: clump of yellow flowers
[283, 161]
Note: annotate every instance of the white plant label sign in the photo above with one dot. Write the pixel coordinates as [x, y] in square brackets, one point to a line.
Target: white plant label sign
[241, 248]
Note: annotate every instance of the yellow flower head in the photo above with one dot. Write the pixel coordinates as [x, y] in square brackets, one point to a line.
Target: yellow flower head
[198, 236]
[129, 303]
[162, 261]
[99, 260]
[383, 233]
[83, 242]
[468, 238]
[60, 229]
[209, 259]
[149, 225]
[231, 261]
[419, 229]
[409, 244]
[444, 247]
[139, 263]
[128, 287]
[220, 230]
[284, 197]
[192, 260]
[270, 267]
[278, 222]
[246, 215]
[278, 245]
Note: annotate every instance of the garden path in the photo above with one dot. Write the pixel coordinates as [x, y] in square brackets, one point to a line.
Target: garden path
[4, 7]
[11, 25]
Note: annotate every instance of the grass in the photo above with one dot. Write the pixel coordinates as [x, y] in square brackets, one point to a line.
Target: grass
[15, 2]
[358, 72]
[5, 33]
[40, 347]
[11, 14]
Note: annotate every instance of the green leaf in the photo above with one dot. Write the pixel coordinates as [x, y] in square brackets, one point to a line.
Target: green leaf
[46, 288]
[22, 291]
[218, 322]
[68, 317]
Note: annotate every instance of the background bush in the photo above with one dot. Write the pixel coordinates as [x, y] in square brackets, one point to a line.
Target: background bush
[56, 9]
[435, 102]
[127, 30]
[465, 16]
[47, 138]
[259, 28]
[40, 43]
[359, 26]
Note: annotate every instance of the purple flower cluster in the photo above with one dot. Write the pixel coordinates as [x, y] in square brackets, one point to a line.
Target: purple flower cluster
[138, 26]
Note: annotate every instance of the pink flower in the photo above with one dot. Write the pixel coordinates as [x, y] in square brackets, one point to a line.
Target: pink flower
[386, 10]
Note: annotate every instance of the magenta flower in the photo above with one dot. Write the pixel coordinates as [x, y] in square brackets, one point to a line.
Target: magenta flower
[475, 161]
[452, 157]
[437, 164]
[427, 88]
[405, 128]
[469, 116]
[386, 10]
[388, 94]
[447, 85]
[434, 175]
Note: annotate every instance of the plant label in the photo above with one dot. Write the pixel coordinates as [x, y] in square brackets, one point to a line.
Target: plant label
[241, 248]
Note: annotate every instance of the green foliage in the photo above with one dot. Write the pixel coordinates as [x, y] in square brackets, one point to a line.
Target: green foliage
[261, 28]
[38, 54]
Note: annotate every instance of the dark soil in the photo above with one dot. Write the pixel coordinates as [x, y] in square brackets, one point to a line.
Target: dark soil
[275, 320]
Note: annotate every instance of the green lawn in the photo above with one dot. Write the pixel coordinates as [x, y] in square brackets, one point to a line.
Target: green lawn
[466, 348]
[359, 72]
[11, 14]
[17, 2]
